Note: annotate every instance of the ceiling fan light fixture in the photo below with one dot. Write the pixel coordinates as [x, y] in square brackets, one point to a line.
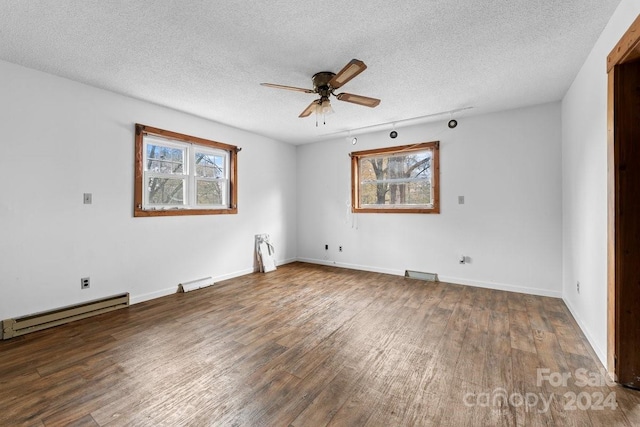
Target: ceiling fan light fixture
[326, 107]
[323, 108]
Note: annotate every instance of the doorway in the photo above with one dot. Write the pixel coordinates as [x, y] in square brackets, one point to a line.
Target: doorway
[623, 346]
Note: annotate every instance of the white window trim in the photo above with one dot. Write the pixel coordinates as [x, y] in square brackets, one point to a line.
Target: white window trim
[194, 178]
[188, 175]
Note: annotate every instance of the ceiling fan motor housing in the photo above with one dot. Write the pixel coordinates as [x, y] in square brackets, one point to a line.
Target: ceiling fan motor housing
[321, 82]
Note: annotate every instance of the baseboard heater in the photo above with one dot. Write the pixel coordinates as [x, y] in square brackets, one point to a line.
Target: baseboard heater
[48, 319]
[195, 284]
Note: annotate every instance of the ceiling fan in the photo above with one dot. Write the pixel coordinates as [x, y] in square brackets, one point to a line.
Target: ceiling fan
[325, 83]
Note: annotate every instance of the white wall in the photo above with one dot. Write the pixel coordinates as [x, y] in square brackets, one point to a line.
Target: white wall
[584, 183]
[531, 222]
[61, 139]
[506, 165]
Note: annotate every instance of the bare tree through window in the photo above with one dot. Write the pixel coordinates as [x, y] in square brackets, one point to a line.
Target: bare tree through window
[396, 179]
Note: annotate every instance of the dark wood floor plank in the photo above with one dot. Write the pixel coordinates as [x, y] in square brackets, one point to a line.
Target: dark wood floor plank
[516, 301]
[520, 331]
[439, 374]
[326, 404]
[499, 301]
[401, 388]
[85, 421]
[498, 334]
[525, 366]
[451, 296]
[471, 361]
[310, 345]
[539, 319]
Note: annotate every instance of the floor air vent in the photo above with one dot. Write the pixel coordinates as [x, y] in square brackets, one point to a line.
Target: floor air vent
[36, 322]
[429, 277]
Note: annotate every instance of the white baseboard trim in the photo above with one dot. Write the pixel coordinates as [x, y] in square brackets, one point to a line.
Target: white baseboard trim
[233, 275]
[286, 261]
[501, 287]
[448, 279]
[352, 266]
[135, 299]
[460, 281]
[602, 355]
[164, 292]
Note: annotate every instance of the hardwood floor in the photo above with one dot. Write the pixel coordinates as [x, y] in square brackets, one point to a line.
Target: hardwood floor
[310, 345]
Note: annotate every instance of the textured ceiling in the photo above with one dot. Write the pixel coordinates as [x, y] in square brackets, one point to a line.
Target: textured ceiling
[208, 57]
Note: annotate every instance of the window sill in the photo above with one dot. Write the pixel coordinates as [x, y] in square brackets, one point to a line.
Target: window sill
[181, 212]
[435, 210]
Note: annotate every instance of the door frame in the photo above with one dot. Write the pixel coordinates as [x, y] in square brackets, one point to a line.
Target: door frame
[626, 50]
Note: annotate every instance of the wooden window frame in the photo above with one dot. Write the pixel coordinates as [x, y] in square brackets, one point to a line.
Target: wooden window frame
[140, 211]
[434, 146]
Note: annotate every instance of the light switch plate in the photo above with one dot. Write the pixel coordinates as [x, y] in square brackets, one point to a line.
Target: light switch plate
[87, 198]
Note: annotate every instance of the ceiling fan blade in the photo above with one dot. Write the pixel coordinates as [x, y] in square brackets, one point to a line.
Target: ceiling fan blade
[310, 109]
[358, 99]
[297, 89]
[352, 69]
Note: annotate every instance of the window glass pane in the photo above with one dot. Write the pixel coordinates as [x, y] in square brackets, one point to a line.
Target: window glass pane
[368, 168]
[210, 192]
[163, 159]
[396, 193]
[396, 179]
[418, 165]
[165, 191]
[210, 165]
[373, 194]
[418, 193]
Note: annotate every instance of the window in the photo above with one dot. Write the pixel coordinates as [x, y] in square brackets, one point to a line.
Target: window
[179, 174]
[396, 179]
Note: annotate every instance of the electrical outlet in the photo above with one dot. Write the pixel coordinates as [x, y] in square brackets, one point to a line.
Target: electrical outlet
[578, 287]
[339, 248]
[84, 283]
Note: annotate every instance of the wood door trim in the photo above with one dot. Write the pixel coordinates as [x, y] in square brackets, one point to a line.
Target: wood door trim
[626, 50]
[611, 231]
